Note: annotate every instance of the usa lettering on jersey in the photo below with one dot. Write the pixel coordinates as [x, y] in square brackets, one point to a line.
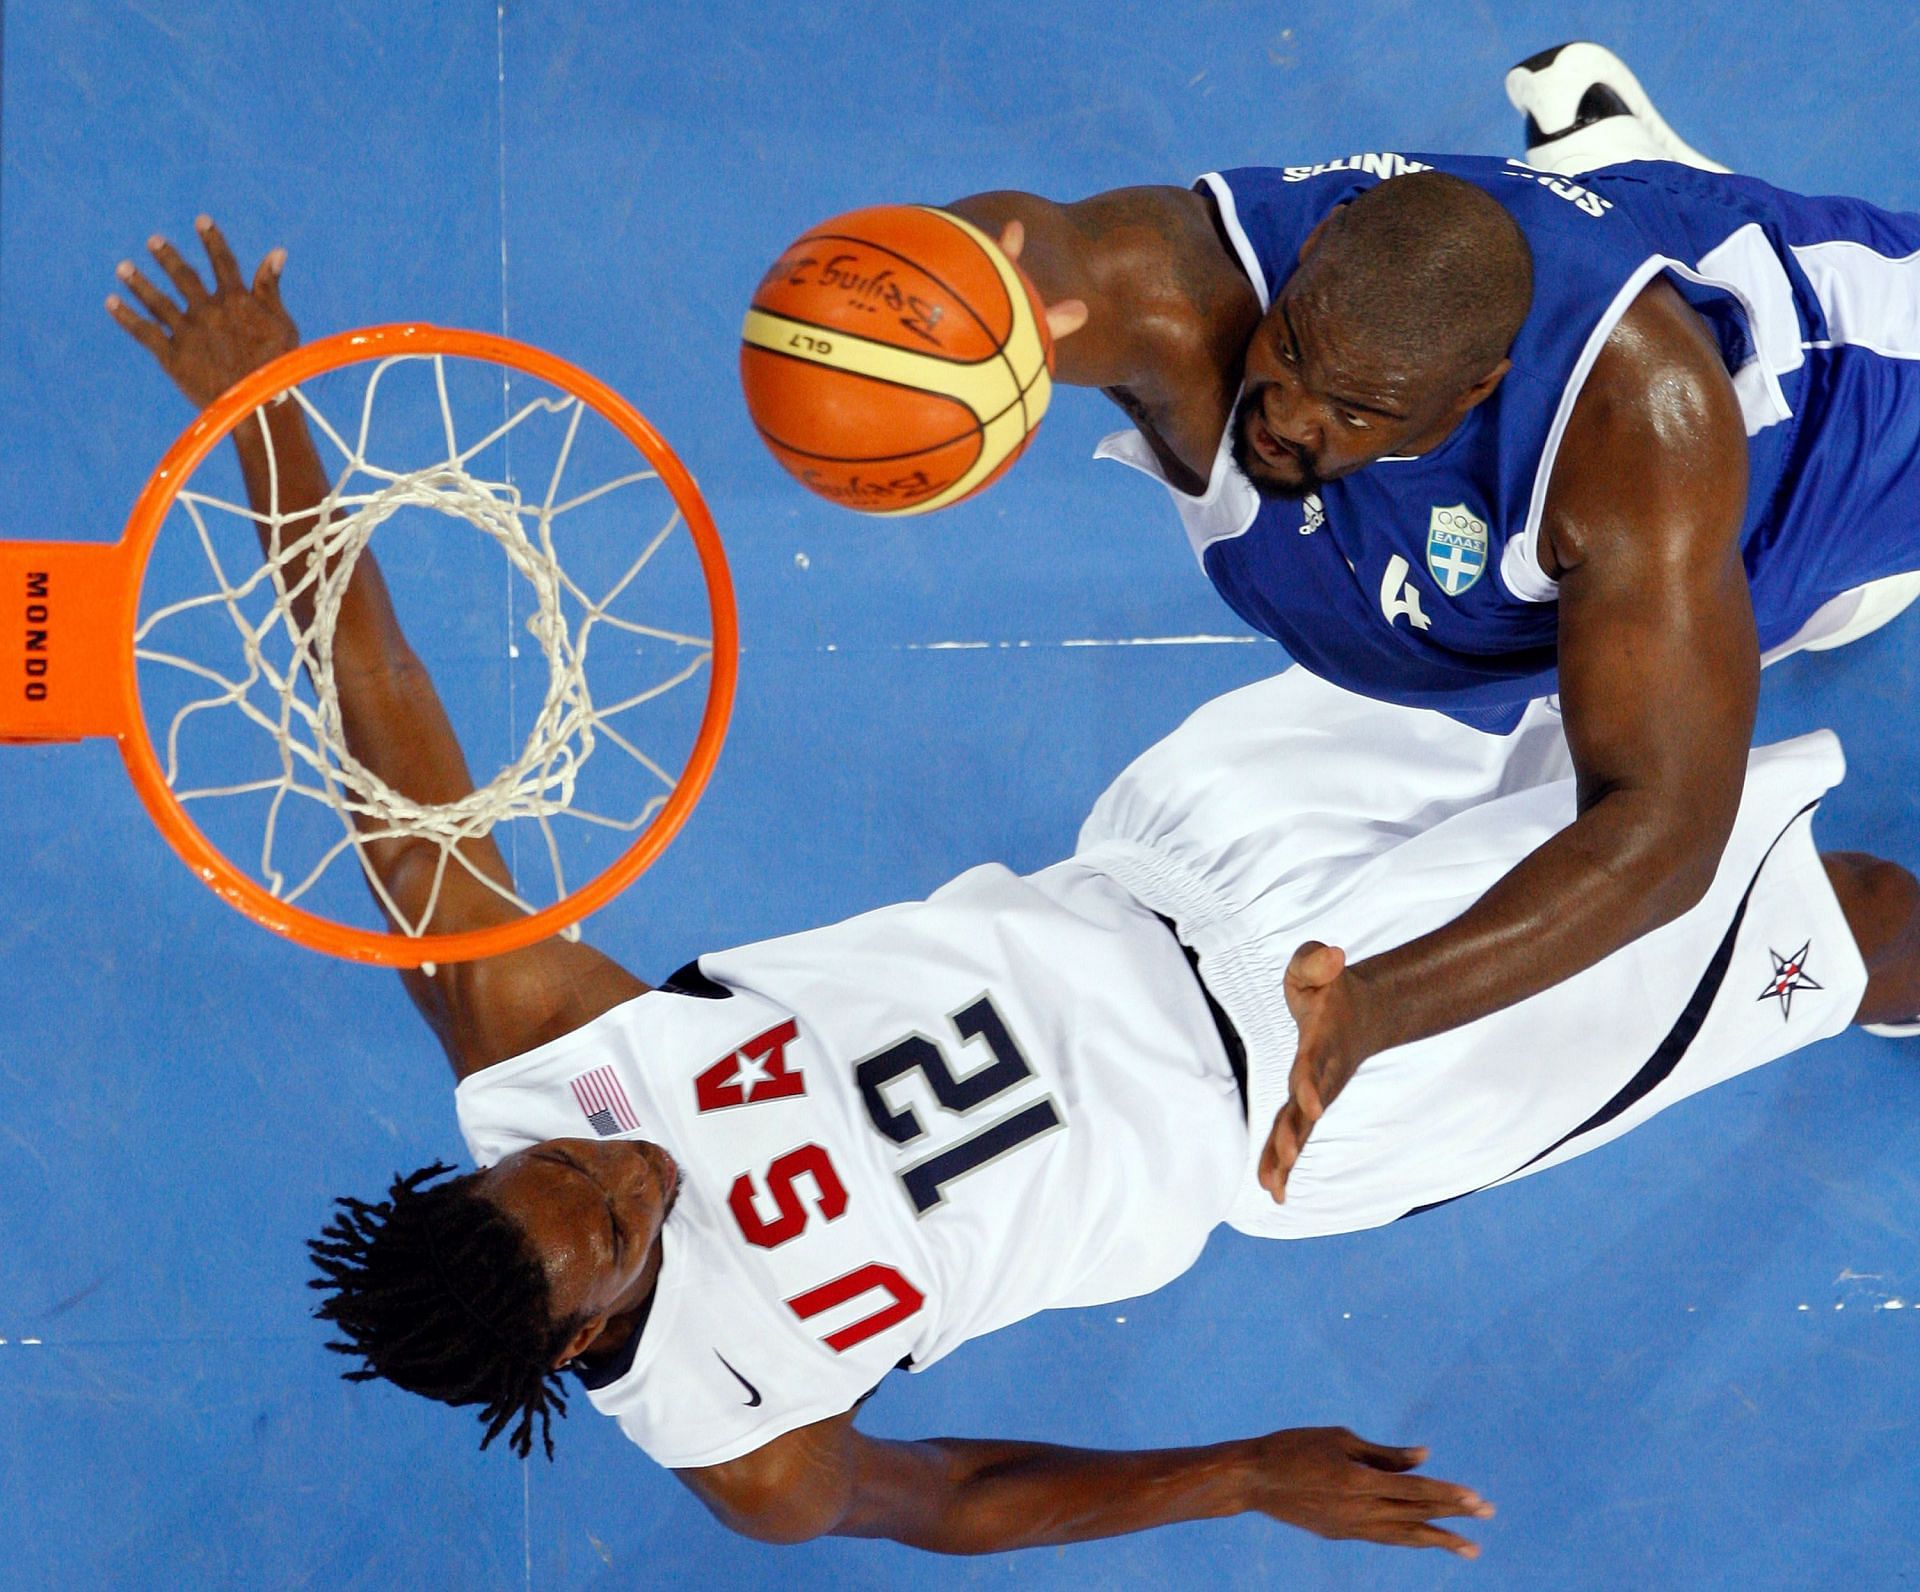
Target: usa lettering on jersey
[782, 1202]
[801, 1188]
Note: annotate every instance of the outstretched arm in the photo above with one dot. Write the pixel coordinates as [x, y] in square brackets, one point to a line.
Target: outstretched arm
[483, 1011]
[956, 1495]
[1659, 673]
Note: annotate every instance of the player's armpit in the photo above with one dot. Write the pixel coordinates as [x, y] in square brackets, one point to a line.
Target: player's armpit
[504, 1006]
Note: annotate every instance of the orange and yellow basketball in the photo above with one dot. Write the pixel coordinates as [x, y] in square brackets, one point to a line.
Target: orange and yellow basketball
[895, 360]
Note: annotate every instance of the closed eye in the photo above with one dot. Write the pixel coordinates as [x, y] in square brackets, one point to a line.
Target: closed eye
[1285, 343]
[613, 1221]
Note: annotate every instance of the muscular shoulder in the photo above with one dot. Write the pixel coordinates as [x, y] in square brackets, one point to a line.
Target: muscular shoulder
[1654, 459]
[1182, 302]
[500, 1007]
[1153, 266]
[1169, 309]
[1168, 260]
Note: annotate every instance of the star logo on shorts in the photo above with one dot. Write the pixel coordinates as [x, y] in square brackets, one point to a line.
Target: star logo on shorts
[1789, 974]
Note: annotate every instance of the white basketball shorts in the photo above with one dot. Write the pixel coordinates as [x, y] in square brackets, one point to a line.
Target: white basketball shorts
[1292, 810]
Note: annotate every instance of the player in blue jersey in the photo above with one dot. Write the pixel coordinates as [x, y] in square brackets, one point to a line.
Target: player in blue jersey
[1460, 432]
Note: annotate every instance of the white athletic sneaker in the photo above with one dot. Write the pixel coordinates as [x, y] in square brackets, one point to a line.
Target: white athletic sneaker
[1849, 616]
[1880, 601]
[1584, 109]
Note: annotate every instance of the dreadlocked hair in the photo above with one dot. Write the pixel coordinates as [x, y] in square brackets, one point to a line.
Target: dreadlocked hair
[435, 1289]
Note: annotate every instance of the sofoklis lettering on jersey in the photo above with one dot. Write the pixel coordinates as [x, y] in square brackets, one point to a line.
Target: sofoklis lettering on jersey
[1584, 199]
[801, 1185]
[1383, 164]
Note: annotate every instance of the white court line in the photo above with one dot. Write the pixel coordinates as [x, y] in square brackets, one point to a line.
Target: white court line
[1014, 646]
[1168, 641]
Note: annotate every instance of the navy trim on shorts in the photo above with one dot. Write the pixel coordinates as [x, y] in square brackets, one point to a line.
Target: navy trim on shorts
[1230, 1039]
[1660, 1065]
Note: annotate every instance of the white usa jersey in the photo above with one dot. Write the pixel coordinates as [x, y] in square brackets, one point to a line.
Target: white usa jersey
[894, 1134]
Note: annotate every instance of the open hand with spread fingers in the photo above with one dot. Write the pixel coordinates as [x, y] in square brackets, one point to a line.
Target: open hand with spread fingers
[1335, 1484]
[210, 340]
[1329, 1006]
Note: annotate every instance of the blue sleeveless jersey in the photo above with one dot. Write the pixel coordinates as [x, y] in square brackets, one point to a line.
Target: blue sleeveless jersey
[1417, 579]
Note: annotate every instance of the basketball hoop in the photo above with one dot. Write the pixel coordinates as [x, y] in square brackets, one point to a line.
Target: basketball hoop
[73, 640]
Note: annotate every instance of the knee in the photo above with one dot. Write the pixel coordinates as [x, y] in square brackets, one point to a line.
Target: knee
[1881, 900]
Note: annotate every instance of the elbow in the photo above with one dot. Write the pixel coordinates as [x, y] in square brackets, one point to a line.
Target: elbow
[775, 1528]
[1687, 884]
[776, 1517]
[1674, 865]
[776, 1509]
[1654, 852]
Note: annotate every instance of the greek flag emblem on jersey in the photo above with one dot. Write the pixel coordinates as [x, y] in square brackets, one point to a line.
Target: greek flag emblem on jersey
[604, 1103]
[1456, 548]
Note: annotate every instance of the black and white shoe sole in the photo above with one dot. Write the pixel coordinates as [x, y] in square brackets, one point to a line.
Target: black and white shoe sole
[1566, 92]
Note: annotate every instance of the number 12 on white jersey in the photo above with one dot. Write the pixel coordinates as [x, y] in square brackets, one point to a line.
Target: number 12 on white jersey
[967, 1095]
[881, 1078]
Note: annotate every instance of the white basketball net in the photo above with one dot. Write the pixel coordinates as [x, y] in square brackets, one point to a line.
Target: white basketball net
[539, 784]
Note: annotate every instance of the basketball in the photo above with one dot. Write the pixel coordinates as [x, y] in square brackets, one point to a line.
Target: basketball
[895, 360]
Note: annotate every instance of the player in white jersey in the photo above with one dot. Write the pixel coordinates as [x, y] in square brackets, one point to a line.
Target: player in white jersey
[732, 1204]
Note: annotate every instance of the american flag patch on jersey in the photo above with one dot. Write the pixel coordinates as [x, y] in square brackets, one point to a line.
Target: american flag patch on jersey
[605, 1102]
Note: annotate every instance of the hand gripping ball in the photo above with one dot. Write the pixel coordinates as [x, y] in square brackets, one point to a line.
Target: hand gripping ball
[895, 360]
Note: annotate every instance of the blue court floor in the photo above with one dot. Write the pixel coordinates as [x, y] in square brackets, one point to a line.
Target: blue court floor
[1690, 1360]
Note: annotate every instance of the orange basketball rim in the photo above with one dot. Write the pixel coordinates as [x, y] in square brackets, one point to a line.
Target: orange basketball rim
[69, 611]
